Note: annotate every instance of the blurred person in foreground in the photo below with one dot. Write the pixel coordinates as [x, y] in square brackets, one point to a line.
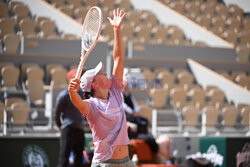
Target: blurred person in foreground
[69, 121]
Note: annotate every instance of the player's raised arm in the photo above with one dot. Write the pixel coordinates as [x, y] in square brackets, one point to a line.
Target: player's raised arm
[78, 102]
[118, 50]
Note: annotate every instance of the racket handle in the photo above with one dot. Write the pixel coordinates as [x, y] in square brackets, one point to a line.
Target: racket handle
[81, 65]
[79, 70]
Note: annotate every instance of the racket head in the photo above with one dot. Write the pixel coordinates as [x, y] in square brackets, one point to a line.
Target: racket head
[91, 28]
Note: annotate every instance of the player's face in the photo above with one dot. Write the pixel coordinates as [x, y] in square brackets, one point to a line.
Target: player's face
[102, 80]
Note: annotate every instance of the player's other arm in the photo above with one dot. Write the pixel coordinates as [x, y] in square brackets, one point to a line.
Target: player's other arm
[118, 50]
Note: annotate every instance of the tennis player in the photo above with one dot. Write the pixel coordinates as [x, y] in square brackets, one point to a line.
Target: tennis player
[102, 105]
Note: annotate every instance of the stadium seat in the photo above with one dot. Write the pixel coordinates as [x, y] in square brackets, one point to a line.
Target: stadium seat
[107, 3]
[167, 78]
[133, 16]
[159, 32]
[148, 17]
[244, 37]
[79, 13]
[12, 4]
[3, 10]
[245, 114]
[20, 112]
[123, 4]
[204, 21]
[75, 3]
[143, 31]
[200, 44]
[216, 97]
[177, 5]
[11, 100]
[69, 37]
[159, 97]
[107, 30]
[58, 78]
[178, 98]
[146, 111]
[48, 29]
[126, 29]
[160, 69]
[7, 26]
[207, 9]
[67, 9]
[218, 22]
[5, 63]
[88, 3]
[34, 73]
[229, 116]
[175, 33]
[246, 24]
[243, 54]
[226, 75]
[190, 114]
[27, 27]
[233, 24]
[176, 71]
[25, 66]
[242, 80]
[11, 43]
[240, 106]
[230, 36]
[10, 77]
[234, 10]
[48, 69]
[221, 10]
[197, 96]
[57, 3]
[36, 92]
[20, 12]
[38, 20]
[185, 78]
[192, 9]
[211, 115]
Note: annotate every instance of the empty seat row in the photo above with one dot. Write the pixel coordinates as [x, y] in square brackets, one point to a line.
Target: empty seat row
[16, 21]
[31, 80]
[238, 77]
[228, 22]
[17, 110]
[228, 116]
[142, 34]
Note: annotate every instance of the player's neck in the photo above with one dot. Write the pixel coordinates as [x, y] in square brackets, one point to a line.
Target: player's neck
[102, 94]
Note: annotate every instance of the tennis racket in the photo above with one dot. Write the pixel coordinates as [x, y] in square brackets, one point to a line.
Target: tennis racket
[91, 30]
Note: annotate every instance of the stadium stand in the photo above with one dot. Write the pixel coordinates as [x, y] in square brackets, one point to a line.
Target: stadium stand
[228, 22]
[179, 107]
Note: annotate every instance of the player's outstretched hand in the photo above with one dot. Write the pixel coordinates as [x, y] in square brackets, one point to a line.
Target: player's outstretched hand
[117, 18]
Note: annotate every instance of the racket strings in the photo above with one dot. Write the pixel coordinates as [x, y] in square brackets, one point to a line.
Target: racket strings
[93, 23]
[91, 29]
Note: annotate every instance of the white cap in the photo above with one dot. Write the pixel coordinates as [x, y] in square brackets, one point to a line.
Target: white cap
[88, 77]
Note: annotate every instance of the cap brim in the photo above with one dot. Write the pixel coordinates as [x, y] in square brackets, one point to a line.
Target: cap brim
[99, 68]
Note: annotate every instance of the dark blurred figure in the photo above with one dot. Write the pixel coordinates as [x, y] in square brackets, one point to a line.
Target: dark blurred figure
[70, 122]
[136, 123]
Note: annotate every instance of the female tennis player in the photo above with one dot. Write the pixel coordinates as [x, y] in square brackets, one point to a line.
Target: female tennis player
[102, 105]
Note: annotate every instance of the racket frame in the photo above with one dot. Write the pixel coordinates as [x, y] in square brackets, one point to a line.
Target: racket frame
[85, 52]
